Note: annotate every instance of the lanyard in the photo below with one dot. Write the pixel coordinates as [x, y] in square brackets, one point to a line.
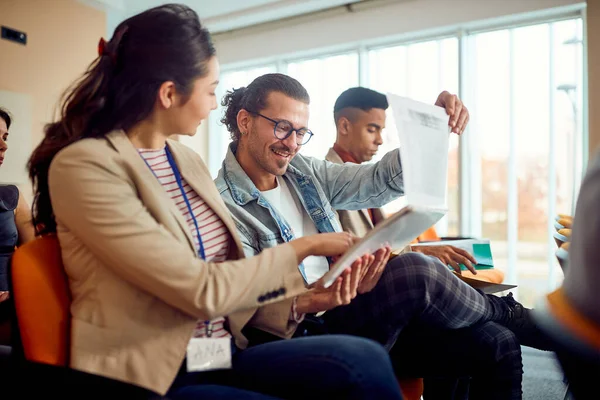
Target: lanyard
[207, 324]
[185, 198]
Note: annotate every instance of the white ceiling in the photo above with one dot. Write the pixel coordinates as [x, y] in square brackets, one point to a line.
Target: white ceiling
[225, 15]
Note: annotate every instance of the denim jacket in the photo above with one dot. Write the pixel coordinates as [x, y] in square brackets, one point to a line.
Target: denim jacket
[321, 186]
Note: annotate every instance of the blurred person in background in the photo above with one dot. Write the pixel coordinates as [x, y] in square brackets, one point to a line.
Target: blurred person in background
[15, 227]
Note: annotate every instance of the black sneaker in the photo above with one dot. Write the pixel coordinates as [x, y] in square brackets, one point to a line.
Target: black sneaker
[520, 321]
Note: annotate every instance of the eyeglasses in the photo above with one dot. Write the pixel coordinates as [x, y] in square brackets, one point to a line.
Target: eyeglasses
[283, 129]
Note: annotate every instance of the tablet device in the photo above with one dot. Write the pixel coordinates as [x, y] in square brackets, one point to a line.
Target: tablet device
[396, 231]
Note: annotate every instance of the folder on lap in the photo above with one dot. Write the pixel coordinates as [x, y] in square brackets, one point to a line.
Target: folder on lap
[486, 280]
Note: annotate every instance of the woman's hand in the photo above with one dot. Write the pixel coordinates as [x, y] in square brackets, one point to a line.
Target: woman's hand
[373, 271]
[323, 244]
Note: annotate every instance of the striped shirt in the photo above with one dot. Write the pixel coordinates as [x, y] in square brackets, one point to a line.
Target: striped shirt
[215, 236]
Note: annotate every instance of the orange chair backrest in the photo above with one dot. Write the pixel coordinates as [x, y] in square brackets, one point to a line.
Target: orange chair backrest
[430, 235]
[411, 388]
[42, 300]
[571, 319]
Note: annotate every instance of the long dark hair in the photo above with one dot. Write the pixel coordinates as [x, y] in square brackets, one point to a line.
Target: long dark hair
[254, 98]
[118, 90]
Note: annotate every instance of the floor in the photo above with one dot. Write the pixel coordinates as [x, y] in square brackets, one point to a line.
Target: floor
[543, 379]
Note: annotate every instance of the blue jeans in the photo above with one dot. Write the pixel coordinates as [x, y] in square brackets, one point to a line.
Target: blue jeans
[318, 367]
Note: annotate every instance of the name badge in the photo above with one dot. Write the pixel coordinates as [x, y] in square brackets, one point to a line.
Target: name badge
[205, 354]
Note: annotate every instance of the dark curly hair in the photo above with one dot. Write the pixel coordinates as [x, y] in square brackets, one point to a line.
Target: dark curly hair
[254, 98]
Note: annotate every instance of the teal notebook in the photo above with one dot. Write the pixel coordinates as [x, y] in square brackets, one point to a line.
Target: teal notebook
[482, 252]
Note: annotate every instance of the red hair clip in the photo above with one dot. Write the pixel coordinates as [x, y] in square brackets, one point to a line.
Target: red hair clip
[102, 47]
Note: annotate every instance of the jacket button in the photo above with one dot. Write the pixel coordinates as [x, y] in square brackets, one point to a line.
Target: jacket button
[262, 299]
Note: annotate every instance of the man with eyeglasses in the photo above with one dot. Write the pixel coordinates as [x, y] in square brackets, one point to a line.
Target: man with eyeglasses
[275, 195]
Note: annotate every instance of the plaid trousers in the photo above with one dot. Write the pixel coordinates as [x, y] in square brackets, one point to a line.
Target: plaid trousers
[425, 316]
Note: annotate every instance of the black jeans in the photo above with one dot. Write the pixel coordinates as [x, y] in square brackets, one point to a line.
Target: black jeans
[479, 360]
[426, 317]
[434, 325]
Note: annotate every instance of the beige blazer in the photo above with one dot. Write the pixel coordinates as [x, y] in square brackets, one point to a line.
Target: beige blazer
[137, 284]
[355, 222]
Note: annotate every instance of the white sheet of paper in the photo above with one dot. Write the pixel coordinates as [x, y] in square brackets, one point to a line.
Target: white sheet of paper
[424, 141]
[206, 354]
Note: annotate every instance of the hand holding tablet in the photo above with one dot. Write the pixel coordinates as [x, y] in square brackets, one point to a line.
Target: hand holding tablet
[395, 232]
[343, 290]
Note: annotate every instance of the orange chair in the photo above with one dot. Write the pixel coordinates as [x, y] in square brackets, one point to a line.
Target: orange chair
[411, 388]
[42, 300]
[574, 324]
[41, 297]
[430, 235]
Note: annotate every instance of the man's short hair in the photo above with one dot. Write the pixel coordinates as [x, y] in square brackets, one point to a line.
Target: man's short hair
[361, 98]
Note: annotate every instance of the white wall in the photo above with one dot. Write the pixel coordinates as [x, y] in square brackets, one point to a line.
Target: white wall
[14, 169]
[198, 142]
[391, 20]
[224, 15]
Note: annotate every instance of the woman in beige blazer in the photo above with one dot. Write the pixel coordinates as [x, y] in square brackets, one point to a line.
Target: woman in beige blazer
[136, 216]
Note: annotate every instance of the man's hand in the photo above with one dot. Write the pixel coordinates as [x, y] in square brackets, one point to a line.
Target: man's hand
[341, 292]
[373, 272]
[459, 115]
[449, 255]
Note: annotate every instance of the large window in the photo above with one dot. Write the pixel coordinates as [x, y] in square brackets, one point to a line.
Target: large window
[519, 163]
[325, 79]
[419, 71]
[526, 91]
